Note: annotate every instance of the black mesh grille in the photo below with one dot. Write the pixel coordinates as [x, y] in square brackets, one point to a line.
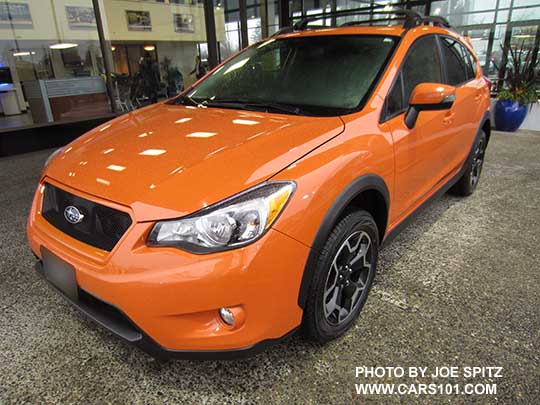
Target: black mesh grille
[101, 227]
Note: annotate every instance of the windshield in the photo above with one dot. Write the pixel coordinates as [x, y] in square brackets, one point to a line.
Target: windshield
[317, 75]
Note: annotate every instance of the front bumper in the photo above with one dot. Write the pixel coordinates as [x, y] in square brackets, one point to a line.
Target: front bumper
[166, 301]
[114, 320]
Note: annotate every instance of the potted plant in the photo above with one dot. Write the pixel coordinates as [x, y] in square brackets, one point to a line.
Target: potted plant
[519, 90]
[173, 78]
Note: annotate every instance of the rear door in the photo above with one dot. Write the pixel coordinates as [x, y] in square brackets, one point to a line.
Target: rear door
[460, 72]
[419, 152]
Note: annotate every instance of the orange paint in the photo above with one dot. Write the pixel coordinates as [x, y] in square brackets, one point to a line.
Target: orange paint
[168, 161]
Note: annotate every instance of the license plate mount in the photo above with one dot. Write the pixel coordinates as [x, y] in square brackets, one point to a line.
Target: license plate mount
[60, 274]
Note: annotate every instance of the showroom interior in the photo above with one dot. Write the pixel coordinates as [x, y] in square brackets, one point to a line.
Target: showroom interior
[459, 286]
[50, 44]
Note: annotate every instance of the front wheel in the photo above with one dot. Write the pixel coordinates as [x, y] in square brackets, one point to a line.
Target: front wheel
[473, 168]
[343, 277]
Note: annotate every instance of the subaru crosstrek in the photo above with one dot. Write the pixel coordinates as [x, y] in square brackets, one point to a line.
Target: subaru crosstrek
[255, 203]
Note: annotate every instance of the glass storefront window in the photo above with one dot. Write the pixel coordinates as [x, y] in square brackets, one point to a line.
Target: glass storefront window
[459, 20]
[273, 17]
[158, 48]
[480, 20]
[52, 67]
[526, 14]
[51, 64]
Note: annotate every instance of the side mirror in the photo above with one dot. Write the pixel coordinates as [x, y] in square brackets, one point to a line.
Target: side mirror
[429, 97]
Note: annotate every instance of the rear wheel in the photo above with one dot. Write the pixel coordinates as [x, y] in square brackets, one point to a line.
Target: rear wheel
[468, 182]
[343, 277]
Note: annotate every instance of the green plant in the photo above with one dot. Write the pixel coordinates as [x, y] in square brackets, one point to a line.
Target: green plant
[520, 75]
[172, 77]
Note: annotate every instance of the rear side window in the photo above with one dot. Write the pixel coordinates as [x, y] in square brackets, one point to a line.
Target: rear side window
[422, 65]
[472, 63]
[459, 68]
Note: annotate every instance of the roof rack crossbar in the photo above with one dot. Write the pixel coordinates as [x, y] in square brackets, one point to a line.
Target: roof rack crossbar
[303, 23]
[410, 18]
[371, 21]
[437, 20]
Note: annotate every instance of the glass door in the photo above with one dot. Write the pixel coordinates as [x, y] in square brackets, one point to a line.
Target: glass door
[481, 37]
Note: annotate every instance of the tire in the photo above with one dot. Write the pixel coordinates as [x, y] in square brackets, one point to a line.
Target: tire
[355, 235]
[473, 168]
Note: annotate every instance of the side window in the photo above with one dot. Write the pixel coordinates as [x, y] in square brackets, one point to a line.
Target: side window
[472, 63]
[458, 67]
[394, 103]
[421, 66]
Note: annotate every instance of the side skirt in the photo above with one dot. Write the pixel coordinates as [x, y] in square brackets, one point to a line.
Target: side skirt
[412, 216]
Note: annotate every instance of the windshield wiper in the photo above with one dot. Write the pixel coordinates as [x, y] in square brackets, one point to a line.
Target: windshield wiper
[190, 101]
[256, 106]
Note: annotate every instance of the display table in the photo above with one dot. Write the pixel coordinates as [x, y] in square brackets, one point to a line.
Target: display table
[8, 99]
[58, 99]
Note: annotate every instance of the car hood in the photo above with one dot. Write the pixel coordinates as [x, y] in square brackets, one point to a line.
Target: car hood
[166, 161]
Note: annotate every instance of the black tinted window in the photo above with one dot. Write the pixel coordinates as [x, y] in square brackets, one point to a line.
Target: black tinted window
[322, 74]
[395, 98]
[458, 65]
[471, 74]
[421, 66]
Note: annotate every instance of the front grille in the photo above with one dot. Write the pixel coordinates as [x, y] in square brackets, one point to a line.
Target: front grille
[101, 226]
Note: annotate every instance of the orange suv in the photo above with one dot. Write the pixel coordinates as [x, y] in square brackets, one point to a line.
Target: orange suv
[256, 202]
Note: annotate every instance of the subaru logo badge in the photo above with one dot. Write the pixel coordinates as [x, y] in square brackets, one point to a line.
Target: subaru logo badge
[73, 215]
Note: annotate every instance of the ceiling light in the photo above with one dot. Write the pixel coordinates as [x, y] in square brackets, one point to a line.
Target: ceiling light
[152, 152]
[149, 48]
[116, 168]
[113, 48]
[265, 43]
[103, 181]
[63, 46]
[21, 53]
[245, 122]
[237, 65]
[201, 135]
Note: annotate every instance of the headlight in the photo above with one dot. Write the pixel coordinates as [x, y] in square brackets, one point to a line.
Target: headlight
[51, 156]
[235, 222]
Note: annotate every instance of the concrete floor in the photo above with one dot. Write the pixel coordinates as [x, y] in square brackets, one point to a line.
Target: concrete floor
[459, 287]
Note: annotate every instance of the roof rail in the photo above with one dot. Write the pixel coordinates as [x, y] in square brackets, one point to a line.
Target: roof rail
[436, 20]
[410, 18]
[377, 9]
[371, 21]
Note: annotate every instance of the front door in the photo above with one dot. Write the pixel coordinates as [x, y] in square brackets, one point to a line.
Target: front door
[421, 152]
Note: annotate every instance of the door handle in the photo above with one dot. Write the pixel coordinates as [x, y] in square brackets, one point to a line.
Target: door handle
[448, 118]
[478, 96]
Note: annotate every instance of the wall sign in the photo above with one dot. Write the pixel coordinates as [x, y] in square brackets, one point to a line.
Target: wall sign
[80, 18]
[138, 20]
[183, 23]
[16, 15]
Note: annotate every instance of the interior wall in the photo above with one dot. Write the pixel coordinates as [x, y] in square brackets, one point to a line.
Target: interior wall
[46, 28]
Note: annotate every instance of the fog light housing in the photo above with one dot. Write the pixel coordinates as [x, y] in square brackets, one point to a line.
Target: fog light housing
[226, 316]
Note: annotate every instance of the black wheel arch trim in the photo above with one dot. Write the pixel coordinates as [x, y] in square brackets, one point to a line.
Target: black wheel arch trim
[364, 183]
[356, 187]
